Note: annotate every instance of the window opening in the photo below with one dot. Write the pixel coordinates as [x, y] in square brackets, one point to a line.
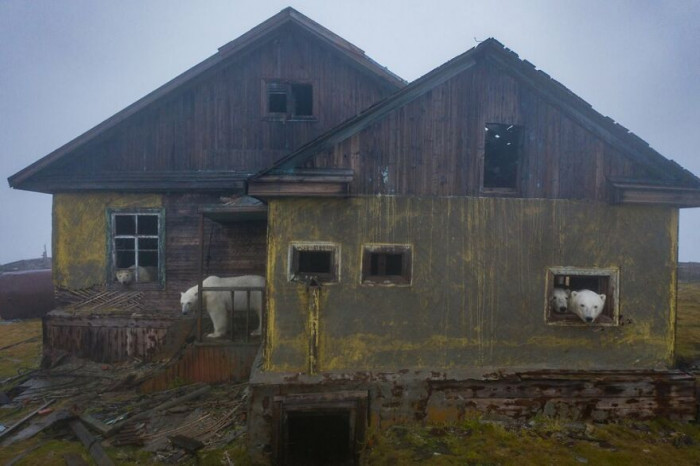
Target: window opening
[303, 99]
[386, 264]
[501, 158]
[291, 100]
[314, 261]
[582, 296]
[135, 247]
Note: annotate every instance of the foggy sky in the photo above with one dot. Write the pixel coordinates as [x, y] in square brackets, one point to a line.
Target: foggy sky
[65, 66]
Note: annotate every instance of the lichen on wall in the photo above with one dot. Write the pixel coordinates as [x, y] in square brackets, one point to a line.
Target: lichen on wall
[477, 293]
[80, 235]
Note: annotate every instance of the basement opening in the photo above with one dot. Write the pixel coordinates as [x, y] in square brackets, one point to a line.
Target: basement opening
[320, 428]
[600, 281]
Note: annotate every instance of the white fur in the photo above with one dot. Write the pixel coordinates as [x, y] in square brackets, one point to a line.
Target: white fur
[587, 305]
[218, 303]
[126, 276]
[559, 300]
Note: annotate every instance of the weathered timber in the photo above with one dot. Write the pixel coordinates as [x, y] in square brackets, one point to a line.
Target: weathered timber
[91, 443]
[25, 419]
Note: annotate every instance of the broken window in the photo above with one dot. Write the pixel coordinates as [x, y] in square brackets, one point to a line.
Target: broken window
[386, 264]
[582, 296]
[501, 157]
[314, 262]
[290, 100]
[136, 246]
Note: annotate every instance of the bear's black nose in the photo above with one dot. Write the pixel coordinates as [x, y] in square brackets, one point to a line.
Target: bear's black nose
[589, 319]
[562, 309]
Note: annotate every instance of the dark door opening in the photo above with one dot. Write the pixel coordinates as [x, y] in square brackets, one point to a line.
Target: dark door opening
[319, 438]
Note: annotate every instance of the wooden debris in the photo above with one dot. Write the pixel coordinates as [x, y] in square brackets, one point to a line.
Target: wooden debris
[190, 396]
[186, 443]
[25, 419]
[129, 435]
[91, 443]
[94, 424]
[40, 425]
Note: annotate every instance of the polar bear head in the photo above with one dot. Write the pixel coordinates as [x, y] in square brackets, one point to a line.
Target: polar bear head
[125, 276]
[188, 300]
[559, 300]
[587, 305]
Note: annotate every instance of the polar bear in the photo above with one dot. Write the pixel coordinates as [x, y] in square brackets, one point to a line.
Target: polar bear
[218, 303]
[587, 304]
[559, 300]
[127, 276]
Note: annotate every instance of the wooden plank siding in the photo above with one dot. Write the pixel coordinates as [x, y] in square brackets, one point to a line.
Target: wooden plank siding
[434, 145]
[218, 121]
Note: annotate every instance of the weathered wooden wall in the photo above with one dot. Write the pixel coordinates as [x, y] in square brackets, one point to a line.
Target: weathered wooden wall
[434, 145]
[81, 244]
[109, 337]
[206, 362]
[218, 122]
[477, 296]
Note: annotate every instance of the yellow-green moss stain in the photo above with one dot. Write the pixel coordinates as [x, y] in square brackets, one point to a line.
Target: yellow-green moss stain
[477, 287]
[673, 291]
[80, 235]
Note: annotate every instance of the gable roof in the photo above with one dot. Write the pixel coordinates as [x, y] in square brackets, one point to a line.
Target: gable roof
[237, 46]
[668, 172]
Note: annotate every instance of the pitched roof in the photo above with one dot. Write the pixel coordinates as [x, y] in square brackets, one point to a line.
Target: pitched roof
[619, 137]
[239, 45]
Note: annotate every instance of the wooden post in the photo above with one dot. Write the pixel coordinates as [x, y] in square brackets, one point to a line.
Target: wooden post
[200, 280]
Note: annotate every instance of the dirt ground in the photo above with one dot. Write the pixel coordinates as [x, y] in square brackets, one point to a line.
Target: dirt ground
[201, 424]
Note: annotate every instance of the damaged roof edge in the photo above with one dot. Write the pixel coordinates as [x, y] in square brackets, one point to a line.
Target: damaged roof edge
[234, 47]
[629, 144]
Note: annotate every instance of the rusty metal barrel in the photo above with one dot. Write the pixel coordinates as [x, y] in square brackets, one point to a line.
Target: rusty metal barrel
[26, 295]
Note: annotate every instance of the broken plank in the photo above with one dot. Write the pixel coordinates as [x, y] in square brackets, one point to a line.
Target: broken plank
[94, 424]
[25, 419]
[91, 443]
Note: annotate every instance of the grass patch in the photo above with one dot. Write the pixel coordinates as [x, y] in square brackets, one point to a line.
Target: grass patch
[24, 355]
[536, 443]
[688, 327]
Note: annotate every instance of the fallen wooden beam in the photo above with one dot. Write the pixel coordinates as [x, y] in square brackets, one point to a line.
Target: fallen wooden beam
[91, 443]
[25, 419]
[95, 424]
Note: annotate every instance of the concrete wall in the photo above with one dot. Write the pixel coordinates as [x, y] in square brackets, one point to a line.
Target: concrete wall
[477, 296]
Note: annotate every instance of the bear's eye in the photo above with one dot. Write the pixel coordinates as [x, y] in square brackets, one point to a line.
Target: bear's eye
[595, 307]
[581, 305]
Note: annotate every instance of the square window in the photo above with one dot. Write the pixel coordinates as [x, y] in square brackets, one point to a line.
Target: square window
[314, 262]
[136, 246]
[289, 100]
[386, 264]
[501, 157]
[582, 296]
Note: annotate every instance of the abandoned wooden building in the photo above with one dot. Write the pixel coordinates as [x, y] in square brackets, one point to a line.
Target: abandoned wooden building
[411, 236]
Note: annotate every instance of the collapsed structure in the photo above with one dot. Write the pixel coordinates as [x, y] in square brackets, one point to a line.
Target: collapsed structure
[410, 234]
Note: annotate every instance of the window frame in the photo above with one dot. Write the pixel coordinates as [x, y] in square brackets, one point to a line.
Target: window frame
[295, 248]
[502, 190]
[290, 89]
[610, 317]
[112, 268]
[403, 279]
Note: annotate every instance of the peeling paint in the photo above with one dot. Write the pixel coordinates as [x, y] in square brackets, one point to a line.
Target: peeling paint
[80, 235]
[477, 285]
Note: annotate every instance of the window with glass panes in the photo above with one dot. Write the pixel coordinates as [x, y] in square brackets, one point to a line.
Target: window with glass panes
[136, 244]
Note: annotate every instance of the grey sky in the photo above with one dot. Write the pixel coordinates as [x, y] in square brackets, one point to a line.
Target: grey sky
[65, 66]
